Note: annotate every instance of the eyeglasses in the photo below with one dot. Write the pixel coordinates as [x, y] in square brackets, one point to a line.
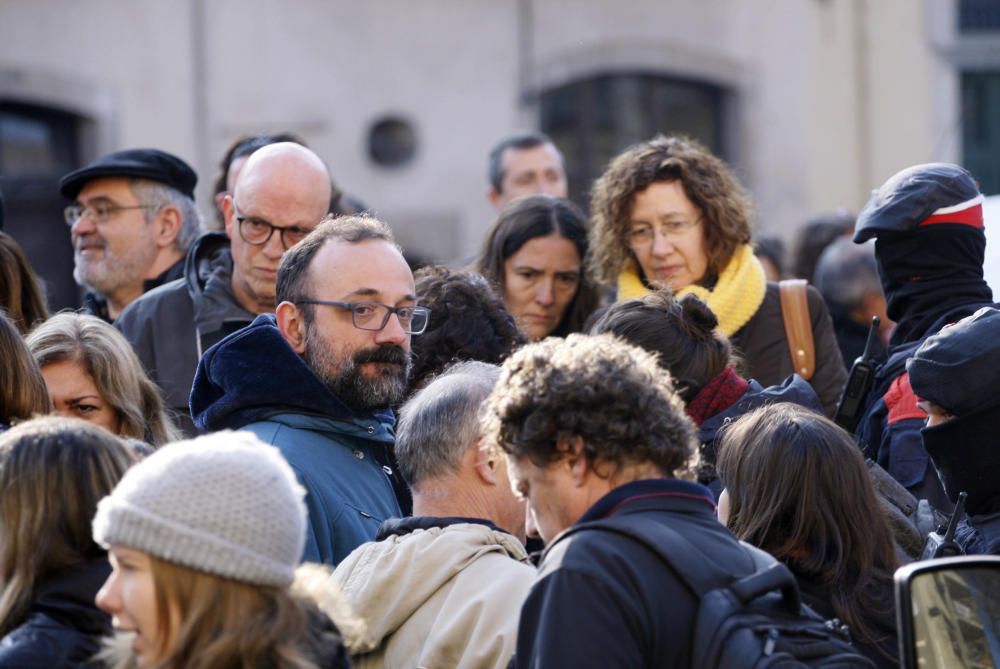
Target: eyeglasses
[644, 234]
[257, 232]
[374, 316]
[98, 213]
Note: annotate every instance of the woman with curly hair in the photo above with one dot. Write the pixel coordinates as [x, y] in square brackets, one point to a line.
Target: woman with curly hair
[797, 487]
[92, 373]
[668, 213]
[535, 255]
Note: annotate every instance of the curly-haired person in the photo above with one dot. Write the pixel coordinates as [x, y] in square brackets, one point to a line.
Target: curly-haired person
[669, 213]
[468, 321]
[595, 436]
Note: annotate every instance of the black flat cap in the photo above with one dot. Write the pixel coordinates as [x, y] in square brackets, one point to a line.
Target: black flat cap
[958, 367]
[920, 195]
[151, 164]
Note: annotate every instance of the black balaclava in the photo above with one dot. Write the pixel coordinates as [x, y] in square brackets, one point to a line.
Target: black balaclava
[928, 272]
[967, 458]
[958, 369]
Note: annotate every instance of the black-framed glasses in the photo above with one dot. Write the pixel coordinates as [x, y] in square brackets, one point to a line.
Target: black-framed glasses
[101, 212]
[257, 231]
[374, 316]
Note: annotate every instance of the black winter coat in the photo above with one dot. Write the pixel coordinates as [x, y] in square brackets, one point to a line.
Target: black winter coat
[606, 601]
[63, 628]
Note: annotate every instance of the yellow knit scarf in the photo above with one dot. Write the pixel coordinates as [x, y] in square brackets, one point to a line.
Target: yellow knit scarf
[736, 297]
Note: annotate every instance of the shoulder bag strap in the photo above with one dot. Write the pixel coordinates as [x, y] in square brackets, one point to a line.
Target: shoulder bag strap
[695, 569]
[798, 326]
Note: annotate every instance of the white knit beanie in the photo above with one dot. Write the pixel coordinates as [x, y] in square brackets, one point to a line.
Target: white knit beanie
[225, 503]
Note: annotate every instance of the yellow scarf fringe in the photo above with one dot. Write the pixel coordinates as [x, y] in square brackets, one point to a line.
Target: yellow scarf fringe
[737, 295]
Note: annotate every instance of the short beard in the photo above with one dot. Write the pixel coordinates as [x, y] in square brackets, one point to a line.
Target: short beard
[112, 272]
[349, 385]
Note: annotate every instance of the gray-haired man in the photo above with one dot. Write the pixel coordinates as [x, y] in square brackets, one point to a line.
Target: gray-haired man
[444, 588]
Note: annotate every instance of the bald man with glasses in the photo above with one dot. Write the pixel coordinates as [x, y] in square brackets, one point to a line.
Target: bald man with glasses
[282, 194]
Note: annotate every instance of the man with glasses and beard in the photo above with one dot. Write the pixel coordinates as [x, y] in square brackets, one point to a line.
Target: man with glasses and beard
[282, 194]
[318, 379]
[132, 219]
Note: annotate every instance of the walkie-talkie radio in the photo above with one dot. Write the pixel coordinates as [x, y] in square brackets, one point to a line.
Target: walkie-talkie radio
[942, 544]
[859, 383]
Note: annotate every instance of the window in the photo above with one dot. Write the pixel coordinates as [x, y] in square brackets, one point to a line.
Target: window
[978, 15]
[981, 128]
[38, 145]
[594, 119]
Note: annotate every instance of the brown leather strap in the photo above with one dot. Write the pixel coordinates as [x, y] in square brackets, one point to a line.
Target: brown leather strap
[798, 326]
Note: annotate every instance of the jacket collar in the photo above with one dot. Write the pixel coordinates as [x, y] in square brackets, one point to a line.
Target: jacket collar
[666, 493]
[254, 374]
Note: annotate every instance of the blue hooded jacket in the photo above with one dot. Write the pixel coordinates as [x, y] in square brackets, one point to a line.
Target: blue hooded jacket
[253, 380]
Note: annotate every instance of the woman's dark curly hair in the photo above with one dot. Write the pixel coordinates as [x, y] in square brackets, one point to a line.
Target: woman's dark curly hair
[800, 490]
[681, 333]
[610, 394]
[536, 216]
[707, 181]
[468, 322]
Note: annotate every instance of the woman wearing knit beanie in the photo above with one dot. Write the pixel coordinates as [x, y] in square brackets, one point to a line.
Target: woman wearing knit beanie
[204, 538]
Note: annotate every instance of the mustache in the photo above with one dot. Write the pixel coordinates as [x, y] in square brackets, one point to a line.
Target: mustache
[90, 242]
[390, 354]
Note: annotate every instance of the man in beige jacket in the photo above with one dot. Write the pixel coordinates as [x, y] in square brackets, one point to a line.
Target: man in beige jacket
[445, 587]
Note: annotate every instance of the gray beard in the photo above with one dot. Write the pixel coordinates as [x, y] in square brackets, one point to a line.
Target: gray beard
[112, 272]
[360, 393]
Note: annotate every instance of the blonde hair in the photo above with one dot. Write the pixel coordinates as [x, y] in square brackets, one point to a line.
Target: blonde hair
[109, 359]
[206, 621]
[53, 471]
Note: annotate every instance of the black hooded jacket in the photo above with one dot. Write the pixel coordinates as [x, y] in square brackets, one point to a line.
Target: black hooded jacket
[63, 628]
[170, 327]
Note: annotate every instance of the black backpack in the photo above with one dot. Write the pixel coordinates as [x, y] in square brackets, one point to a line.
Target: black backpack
[755, 620]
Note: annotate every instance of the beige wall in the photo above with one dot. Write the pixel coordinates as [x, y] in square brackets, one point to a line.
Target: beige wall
[831, 96]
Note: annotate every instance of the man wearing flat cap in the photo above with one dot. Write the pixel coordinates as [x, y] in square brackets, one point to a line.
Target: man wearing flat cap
[132, 220]
[954, 373]
[927, 221]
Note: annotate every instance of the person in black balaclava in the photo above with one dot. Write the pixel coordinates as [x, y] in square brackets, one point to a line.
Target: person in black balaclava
[954, 373]
[928, 225]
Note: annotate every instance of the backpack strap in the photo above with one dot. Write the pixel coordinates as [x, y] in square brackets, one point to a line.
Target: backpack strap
[798, 326]
[695, 569]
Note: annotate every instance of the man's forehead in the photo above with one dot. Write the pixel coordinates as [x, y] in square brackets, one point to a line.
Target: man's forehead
[369, 267]
[513, 157]
[105, 187]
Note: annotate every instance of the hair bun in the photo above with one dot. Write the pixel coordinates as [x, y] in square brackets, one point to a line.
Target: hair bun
[698, 314]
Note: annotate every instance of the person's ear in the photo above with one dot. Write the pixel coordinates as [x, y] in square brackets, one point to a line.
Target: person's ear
[229, 214]
[579, 466]
[292, 325]
[487, 463]
[169, 222]
[495, 198]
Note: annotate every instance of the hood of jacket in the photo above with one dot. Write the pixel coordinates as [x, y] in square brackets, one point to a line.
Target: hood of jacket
[253, 374]
[208, 277]
[390, 579]
[209, 255]
[68, 597]
[794, 389]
